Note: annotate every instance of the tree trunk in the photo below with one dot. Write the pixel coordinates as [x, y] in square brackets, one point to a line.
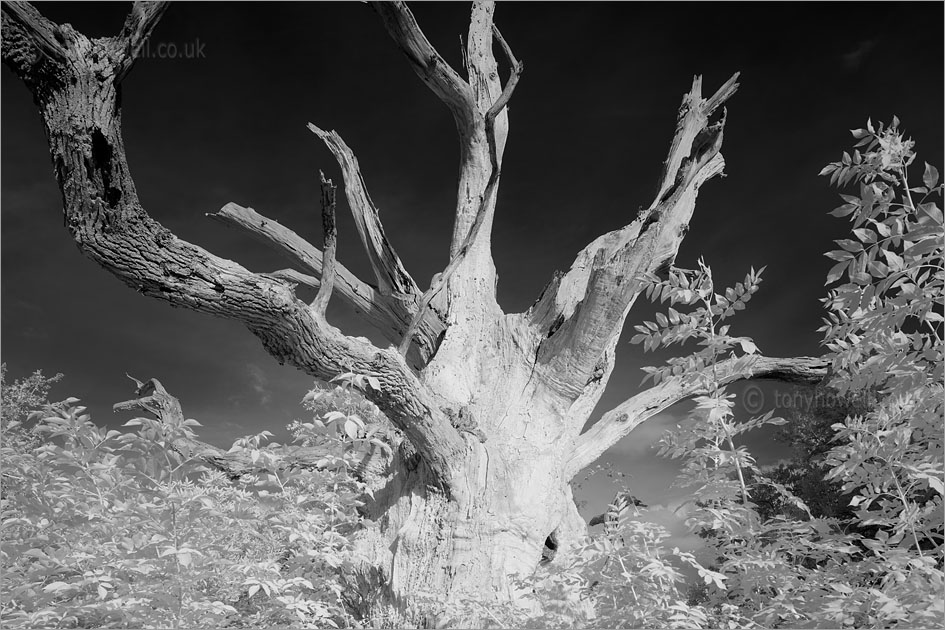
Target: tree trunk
[492, 404]
[468, 543]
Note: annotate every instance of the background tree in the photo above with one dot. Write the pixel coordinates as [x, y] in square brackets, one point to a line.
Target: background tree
[810, 433]
[492, 405]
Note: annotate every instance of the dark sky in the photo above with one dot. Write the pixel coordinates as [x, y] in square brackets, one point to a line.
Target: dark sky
[591, 122]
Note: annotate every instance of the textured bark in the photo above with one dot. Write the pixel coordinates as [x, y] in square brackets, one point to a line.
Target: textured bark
[77, 93]
[492, 404]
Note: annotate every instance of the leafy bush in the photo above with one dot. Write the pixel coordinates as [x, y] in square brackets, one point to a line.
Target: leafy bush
[113, 529]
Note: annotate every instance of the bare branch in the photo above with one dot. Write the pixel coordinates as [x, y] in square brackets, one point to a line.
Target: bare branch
[331, 245]
[429, 65]
[581, 311]
[694, 113]
[389, 315]
[392, 277]
[502, 101]
[440, 280]
[139, 24]
[621, 420]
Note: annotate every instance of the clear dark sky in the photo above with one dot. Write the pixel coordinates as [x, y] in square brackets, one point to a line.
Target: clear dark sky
[591, 122]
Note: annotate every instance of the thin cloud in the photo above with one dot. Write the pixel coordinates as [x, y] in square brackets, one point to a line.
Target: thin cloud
[259, 382]
[854, 59]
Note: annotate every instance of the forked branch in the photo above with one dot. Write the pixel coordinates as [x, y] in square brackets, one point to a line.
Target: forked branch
[583, 310]
[441, 279]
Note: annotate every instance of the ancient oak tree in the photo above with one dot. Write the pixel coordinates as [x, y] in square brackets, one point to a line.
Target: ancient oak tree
[492, 404]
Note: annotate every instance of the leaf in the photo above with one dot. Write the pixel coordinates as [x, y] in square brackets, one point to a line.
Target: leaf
[930, 176]
[356, 419]
[748, 346]
[836, 272]
[933, 211]
[865, 234]
[936, 484]
[850, 245]
[895, 261]
[351, 428]
[56, 587]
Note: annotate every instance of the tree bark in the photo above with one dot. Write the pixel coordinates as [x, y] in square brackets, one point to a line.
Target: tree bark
[492, 404]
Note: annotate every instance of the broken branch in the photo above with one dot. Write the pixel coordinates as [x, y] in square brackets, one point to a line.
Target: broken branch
[390, 273]
[320, 304]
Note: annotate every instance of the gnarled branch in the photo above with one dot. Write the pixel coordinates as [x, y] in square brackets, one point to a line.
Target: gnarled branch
[387, 314]
[582, 310]
[78, 100]
[622, 419]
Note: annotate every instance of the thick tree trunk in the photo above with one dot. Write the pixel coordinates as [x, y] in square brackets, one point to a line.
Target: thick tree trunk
[493, 404]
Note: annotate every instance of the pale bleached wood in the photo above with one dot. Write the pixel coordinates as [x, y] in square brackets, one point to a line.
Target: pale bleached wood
[582, 310]
[622, 419]
[388, 314]
[389, 271]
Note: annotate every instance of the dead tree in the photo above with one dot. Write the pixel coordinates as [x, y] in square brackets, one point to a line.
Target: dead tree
[493, 403]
